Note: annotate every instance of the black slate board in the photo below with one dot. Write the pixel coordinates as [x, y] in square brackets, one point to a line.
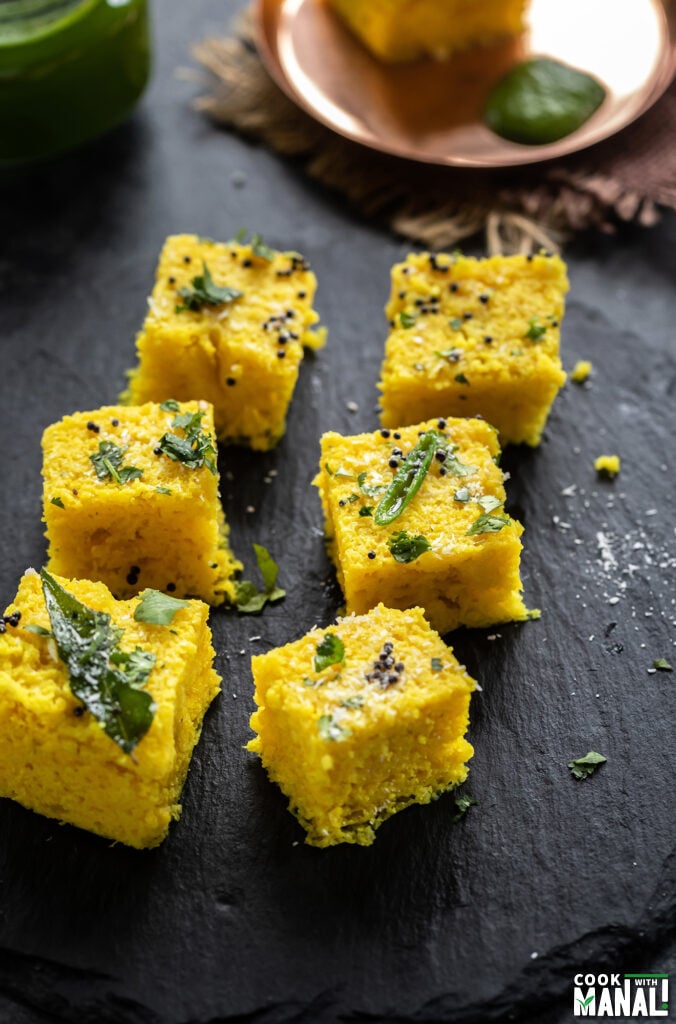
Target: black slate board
[234, 918]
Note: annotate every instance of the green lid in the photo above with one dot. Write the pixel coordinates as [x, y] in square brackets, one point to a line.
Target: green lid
[69, 70]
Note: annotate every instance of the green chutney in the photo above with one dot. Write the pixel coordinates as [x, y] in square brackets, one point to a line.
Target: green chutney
[541, 101]
[69, 71]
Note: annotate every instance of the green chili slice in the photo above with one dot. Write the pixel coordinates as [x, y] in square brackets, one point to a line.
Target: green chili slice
[409, 478]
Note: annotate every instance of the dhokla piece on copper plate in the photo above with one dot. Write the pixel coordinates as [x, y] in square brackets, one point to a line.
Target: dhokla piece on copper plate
[227, 323]
[400, 30]
[358, 721]
[101, 704]
[131, 498]
[415, 516]
[475, 336]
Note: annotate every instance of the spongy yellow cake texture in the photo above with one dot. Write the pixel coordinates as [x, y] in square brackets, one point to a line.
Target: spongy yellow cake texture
[463, 579]
[358, 740]
[58, 761]
[472, 336]
[165, 529]
[399, 30]
[243, 356]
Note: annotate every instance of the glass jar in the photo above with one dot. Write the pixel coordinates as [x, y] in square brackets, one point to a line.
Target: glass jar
[69, 71]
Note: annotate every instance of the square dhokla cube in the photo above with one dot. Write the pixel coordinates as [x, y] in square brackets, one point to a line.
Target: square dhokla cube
[164, 529]
[400, 30]
[453, 550]
[58, 761]
[475, 336]
[242, 355]
[381, 728]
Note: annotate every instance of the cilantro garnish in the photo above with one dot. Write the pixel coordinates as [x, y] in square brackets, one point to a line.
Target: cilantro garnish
[195, 449]
[249, 598]
[461, 378]
[330, 651]
[258, 246]
[353, 702]
[487, 524]
[463, 803]
[157, 608]
[370, 490]
[455, 467]
[404, 548]
[453, 355]
[536, 331]
[58, 502]
[407, 319]
[436, 664]
[662, 665]
[583, 767]
[462, 494]
[488, 502]
[171, 405]
[104, 678]
[205, 292]
[107, 462]
[455, 324]
[329, 729]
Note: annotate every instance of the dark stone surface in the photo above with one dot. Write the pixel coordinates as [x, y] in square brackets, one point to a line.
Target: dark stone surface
[234, 919]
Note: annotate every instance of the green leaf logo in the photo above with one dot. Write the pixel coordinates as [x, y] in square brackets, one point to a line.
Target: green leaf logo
[586, 1002]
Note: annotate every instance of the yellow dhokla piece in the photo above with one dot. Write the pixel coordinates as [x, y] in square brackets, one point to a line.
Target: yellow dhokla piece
[607, 465]
[400, 30]
[242, 355]
[164, 529]
[462, 579]
[581, 371]
[473, 336]
[381, 728]
[58, 761]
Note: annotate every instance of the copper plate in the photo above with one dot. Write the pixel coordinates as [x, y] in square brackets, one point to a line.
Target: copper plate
[431, 111]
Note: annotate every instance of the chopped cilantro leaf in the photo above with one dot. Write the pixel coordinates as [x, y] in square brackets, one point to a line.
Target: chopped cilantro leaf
[366, 510]
[157, 608]
[487, 524]
[461, 378]
[462, 494]
[331, 730]
[205, 292]
[488, 502]
[370, 490]
[455, 324]
[261, 250]
[330, 651]
[583, 767]
[250, 599]
[107, 462]
[463, 803]
[662, 665]
[195, 449]
[536, 331]
[171, 405]
[38, 630]
[353, 702]
[404, 548]
[437, 664]
[58, 502]
[407, 319]
[453, 355]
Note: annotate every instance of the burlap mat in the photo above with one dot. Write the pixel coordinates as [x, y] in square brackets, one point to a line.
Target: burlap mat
[626, 178]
